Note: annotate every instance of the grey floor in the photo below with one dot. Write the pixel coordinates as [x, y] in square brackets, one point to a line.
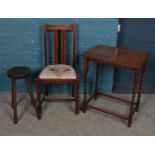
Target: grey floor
[59, 118]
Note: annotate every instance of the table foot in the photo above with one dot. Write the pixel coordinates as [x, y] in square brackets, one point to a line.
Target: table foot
[129, 122]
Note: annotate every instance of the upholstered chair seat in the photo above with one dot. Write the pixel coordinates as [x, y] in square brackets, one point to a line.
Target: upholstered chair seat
[58, 71]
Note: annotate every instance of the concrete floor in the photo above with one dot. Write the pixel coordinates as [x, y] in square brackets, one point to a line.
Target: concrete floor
[59, 118]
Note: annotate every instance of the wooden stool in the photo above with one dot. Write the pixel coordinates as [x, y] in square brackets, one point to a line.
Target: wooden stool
[16, 73]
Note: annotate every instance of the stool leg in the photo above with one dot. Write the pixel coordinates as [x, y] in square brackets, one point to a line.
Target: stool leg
[77, 105]
[97, 79]
[135, 83]
[14, 104]
[12, 95]
[33, 101]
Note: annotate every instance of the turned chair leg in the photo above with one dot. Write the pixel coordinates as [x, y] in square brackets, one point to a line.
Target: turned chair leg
[14, 104]
[77, 105]
[33, 101]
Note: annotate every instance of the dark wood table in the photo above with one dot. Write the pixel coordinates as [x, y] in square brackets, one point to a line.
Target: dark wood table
[117, 57]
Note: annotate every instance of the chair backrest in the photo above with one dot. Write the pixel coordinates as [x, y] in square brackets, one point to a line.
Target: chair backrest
[59, 43]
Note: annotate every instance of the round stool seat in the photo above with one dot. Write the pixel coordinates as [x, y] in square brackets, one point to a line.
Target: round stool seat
[19, 72]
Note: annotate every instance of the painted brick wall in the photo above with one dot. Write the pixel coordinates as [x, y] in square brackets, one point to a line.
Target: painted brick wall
[21, 44]
[137, 34]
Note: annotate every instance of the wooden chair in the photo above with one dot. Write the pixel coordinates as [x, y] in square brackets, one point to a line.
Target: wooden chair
[59, 73]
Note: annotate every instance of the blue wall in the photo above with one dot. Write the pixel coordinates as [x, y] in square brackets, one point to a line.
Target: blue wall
[137, 34]
[21, 44]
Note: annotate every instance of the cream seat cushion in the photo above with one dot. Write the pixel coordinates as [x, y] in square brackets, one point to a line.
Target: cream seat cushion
[58, 71]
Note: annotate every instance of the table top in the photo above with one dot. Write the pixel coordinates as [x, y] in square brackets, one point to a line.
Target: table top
[117, 56]
[19, 72]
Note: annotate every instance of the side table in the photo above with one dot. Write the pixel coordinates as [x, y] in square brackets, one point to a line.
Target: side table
[117, 57]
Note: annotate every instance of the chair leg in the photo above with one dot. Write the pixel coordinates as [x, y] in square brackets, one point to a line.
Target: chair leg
[14, 104]
[33, 101]
[73, 90]
[85, 94]
[39, 100]
[77, 105]
[46, 90]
